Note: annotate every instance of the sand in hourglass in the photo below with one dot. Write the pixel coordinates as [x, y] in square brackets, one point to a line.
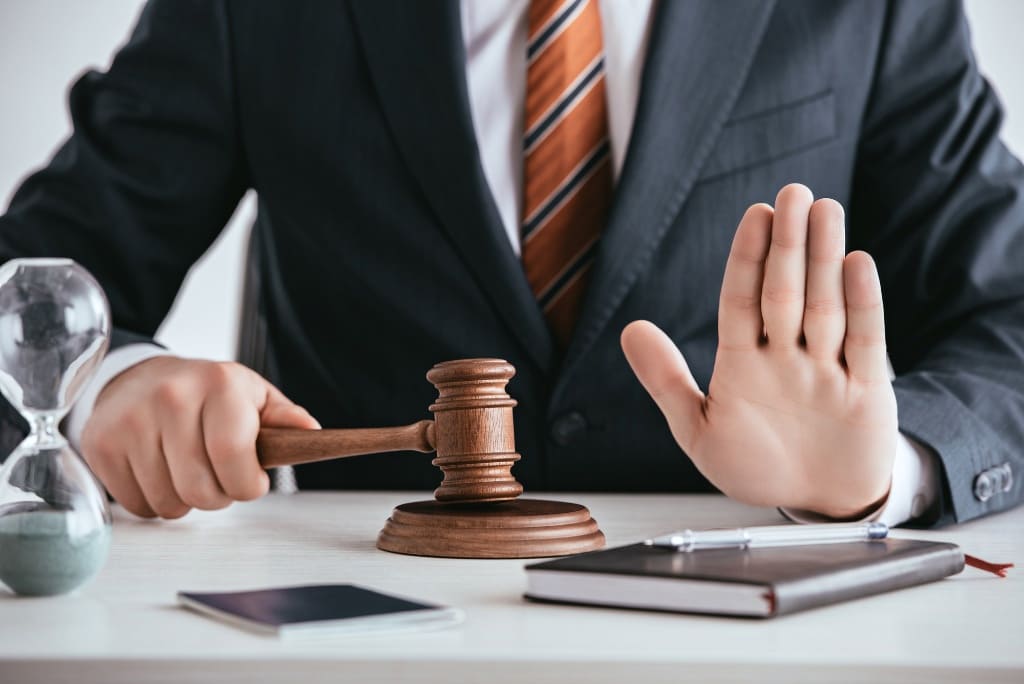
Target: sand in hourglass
[42, 555]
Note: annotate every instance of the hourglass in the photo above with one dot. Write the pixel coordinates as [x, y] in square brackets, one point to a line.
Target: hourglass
[54, 517]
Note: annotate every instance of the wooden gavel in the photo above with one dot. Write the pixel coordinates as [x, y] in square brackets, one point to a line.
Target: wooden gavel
[472, 433]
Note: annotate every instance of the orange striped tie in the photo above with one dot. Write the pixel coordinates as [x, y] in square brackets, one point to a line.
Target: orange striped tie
[567, 166]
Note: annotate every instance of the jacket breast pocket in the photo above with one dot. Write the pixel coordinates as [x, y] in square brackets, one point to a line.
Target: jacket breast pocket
[762, 137]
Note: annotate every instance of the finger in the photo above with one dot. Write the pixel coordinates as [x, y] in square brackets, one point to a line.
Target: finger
[280, 411]
[193, 477]
[740, 325]
[230, 424]
[117, 477]
[662, 370]
[104, 452]
[782, 297]
[825, 304]
[864, 347]
[149, 465]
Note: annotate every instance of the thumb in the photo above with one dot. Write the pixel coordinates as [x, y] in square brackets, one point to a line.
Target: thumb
[662, 370]
[280, 411]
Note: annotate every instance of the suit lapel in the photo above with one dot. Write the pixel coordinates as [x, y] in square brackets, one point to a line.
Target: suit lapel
[697, 61]
[416, 58]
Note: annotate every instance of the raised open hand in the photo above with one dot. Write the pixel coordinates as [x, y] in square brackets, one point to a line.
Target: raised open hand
[800, 410]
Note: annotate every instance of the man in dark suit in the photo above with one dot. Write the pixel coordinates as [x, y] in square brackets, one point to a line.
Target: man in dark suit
[458, 179]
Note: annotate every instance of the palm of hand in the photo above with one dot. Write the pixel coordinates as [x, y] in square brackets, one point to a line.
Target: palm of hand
[800, 411]
[779, 431]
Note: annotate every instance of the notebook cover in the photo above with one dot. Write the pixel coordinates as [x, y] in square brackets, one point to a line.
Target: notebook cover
[795, 577]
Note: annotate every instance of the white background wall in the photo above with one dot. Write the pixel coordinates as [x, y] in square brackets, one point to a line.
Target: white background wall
[45, 44]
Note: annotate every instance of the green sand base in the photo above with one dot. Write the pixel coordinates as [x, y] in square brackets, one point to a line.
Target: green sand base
[39, 558]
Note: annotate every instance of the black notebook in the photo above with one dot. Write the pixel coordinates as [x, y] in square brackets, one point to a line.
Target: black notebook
[325, 609]
[759, 582]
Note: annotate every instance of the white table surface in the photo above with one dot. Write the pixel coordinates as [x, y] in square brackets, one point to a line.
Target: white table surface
[124, 626]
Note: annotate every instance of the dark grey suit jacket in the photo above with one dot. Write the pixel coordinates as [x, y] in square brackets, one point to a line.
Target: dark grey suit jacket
[381, 251]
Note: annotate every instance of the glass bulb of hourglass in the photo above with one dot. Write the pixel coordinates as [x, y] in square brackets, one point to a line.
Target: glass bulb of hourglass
[54, 517]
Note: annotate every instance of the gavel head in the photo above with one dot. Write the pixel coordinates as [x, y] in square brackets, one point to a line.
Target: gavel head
[473, 431]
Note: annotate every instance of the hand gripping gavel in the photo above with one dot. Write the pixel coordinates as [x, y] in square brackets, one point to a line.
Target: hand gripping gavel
[472, 433]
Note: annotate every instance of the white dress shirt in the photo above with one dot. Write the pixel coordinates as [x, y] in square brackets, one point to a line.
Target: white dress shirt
[494, 34]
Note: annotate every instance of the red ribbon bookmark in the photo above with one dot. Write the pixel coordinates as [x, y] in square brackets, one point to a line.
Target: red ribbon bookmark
[995, 568]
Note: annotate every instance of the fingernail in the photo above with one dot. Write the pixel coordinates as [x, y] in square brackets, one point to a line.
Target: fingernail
[310, 415]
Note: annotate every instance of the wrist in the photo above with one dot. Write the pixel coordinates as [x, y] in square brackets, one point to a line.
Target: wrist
[113, 365]
[913, 486]
[855, 512]
[124, 375]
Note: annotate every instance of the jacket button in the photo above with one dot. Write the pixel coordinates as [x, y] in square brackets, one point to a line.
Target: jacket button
[1007, 477]
[567, 428]
[983, 487]
[993, 481]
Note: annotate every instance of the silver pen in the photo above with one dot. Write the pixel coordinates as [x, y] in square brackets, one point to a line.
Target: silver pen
[770, 535]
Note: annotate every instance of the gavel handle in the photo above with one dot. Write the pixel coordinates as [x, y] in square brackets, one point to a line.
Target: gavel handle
[290, 446]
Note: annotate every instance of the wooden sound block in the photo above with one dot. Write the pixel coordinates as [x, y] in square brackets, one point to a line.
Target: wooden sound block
[522, 528]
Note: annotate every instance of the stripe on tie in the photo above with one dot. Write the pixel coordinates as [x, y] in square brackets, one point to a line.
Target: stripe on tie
[565, 191]
[546, 34]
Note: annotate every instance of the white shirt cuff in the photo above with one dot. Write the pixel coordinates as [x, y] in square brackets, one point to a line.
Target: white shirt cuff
[115, 363]
[915, 486]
